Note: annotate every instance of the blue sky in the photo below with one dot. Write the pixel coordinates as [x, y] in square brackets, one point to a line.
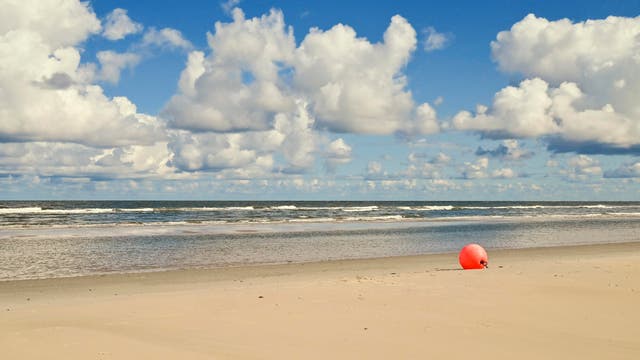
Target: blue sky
[132, 99]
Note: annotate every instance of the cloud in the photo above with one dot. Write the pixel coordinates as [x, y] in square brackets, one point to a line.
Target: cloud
[522, 111]
[299, 140]
[375, 171]
[47, 94]
[581, 78]
[351, 92]
[435, 40]
[338, 153]
[423, 166]
[255, 71]
[214, 92]
[374, 168]
[291, 137]
[552, 163]
[357, 86]
[504, 173]
[477, 170]
[229, 5]
[425, 121]
[629, 170]
[48, 159]
[118, 25]
[560, 145]
[166, 38]
[561, 50]
[442, 184]
[57, 81]
[256, 83]
[441, 159]
[581, 167]
[56, 24]
[508, 150]
[425, 170]
[210, 152]
[112, 63]
[254, 106]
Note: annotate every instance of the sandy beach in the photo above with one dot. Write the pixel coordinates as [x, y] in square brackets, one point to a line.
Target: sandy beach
[563, 302]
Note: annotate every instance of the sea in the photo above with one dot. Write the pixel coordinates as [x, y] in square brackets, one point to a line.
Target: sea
[48, 239]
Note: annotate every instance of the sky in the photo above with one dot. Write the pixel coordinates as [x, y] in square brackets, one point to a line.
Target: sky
[290, 100]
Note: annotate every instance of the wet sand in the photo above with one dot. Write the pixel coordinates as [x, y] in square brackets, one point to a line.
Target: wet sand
[563, 302]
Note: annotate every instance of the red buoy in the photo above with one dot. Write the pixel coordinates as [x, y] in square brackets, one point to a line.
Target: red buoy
[473, 256]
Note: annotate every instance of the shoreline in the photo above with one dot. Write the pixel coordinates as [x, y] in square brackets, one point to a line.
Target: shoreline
[558, 302]
[445, 261]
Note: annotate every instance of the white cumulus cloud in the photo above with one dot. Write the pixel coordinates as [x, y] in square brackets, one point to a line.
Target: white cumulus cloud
[112, 63]
[46, 93]
[580, 88]
[56, 24]
[338, 153]
[165, 38]
[255, 82]
[255, 71]
[291, 137]
[235, 87]
[255, 105]
[76, 160]
[357, 86]
[118, 25]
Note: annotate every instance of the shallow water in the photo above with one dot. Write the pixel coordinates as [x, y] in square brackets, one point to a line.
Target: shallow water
[73, 245]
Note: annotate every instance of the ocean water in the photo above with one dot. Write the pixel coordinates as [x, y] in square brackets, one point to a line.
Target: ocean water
[42, 239]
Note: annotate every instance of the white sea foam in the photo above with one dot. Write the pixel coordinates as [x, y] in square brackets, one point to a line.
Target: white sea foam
[136, 210]
[525, 207]
[340, 208]
[625, 213]
[204, 208]
[284, 207]
[359, 208]
[374, 218]
[76, 211]
[508, 207]
[23, 210]
[321, 208]
[426, 208]
[39, 210]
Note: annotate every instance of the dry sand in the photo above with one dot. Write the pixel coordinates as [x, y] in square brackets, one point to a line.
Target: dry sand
[555, 303]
